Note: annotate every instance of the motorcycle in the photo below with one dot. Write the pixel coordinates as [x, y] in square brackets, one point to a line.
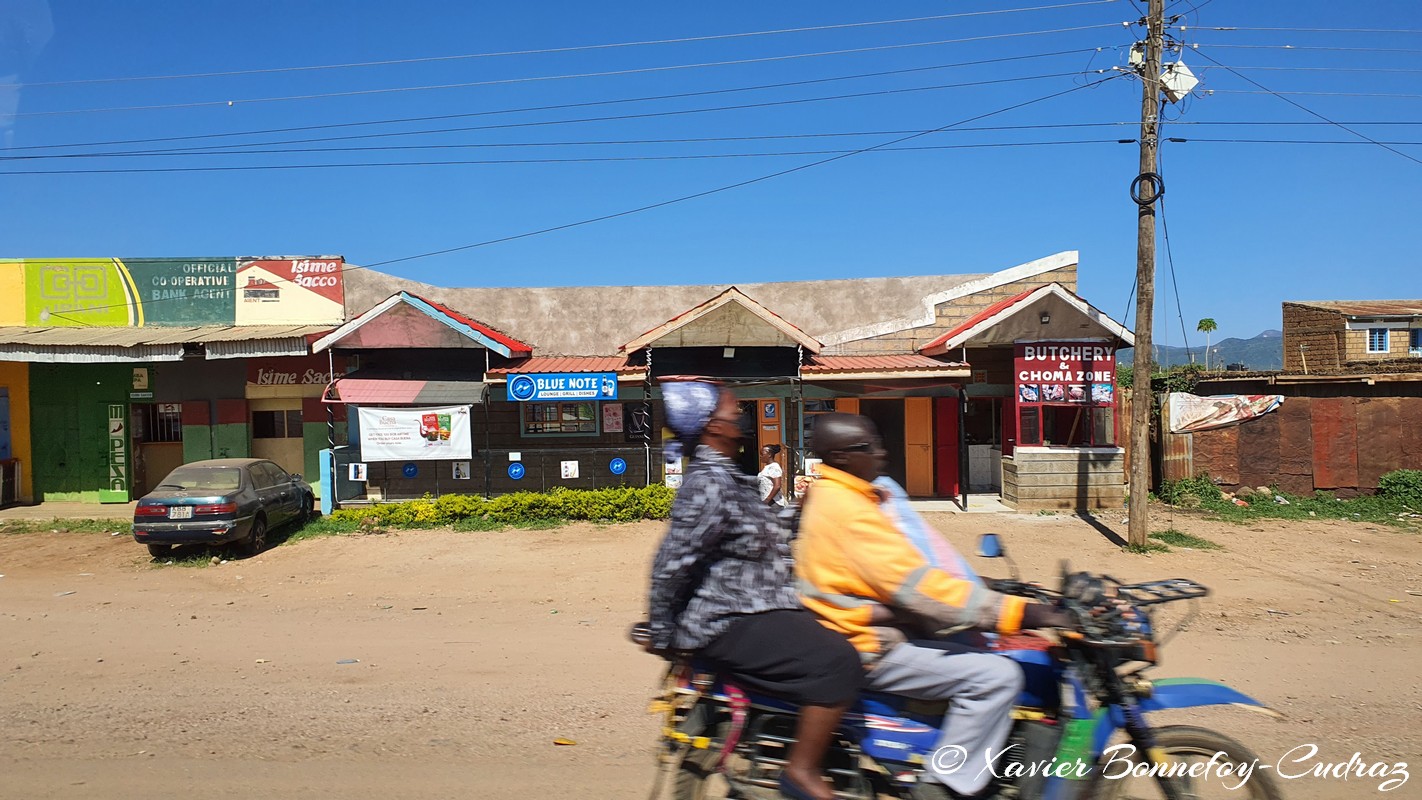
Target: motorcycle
[1080, 694]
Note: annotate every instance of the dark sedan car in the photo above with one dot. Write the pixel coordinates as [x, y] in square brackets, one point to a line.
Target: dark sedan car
[219, 501]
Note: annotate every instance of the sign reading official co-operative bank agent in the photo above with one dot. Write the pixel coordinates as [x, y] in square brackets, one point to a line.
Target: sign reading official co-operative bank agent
[551, 386]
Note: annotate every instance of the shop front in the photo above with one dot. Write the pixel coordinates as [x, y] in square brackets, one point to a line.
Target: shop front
[1041, 416]
[132, 367]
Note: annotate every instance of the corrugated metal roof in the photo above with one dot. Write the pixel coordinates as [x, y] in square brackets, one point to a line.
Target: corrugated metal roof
[542, 364]
[888, 363]
[88, 354]
[156, 343]
[153, 335]
[375, 391]
[1366, 308]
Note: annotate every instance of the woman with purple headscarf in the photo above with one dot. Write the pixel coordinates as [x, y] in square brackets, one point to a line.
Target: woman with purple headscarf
[722, 585]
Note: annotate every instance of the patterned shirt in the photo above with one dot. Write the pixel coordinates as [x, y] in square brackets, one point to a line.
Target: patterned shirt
[726, 554]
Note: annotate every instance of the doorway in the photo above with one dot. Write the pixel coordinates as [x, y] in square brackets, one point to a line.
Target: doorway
[157, 430]
[888, 417]
[277, 432]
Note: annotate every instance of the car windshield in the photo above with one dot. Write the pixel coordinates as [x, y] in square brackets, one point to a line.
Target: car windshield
[206, 479]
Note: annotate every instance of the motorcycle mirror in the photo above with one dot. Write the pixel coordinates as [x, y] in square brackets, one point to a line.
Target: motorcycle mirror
[990, 546]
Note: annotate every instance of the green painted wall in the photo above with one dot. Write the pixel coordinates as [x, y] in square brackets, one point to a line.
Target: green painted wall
[231, 441]
[197, 443]
[69, 427]
[314, 434]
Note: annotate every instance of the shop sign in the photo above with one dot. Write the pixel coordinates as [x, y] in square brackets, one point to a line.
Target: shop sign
[118, 451]
[304, 371]
[1065, 372]
[563, 386]
[415, 434]
[141, 389]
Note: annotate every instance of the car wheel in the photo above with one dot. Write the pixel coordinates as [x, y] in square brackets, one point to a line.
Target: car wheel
[308, 509]
[256, 540]
[159, 550]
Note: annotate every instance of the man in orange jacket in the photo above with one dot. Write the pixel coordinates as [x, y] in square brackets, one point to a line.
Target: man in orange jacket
[852, 560]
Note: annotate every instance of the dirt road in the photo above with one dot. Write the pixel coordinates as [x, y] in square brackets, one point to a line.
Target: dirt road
[441, 664]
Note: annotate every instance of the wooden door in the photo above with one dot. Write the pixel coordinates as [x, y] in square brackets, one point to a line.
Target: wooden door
[918, 446]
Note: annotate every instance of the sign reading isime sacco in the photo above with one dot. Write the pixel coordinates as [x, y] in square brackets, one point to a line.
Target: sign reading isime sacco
[172, 291]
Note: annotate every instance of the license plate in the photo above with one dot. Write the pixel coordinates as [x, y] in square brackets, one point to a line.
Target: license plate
[180, 512]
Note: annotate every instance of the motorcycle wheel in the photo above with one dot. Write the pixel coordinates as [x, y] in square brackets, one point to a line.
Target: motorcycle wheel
[1184, 742]
[695, 779]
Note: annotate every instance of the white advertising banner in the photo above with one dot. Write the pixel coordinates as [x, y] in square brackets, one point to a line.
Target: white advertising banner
[415, 434]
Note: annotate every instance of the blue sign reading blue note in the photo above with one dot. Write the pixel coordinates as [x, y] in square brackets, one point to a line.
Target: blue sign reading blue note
[563, 386]
[516, 470]
[617, 466]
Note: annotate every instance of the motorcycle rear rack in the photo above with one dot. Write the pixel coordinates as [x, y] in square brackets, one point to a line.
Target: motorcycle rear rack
[1164, 591]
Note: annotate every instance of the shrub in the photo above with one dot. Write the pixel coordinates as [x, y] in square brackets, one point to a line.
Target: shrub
[470, 512]
[1402, 486]
[1199, 487]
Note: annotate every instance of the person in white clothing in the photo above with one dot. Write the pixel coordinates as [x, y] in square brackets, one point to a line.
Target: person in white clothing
[772, 476]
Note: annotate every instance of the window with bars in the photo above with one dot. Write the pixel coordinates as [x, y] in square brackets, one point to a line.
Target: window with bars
[159, 423]
[1377, 340]
[1414, 342]
[560, 419]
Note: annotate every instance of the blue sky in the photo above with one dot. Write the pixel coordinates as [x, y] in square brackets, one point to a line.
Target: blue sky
[1250, 225]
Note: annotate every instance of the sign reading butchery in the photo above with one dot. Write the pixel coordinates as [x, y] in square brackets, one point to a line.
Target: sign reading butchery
[1065, 372]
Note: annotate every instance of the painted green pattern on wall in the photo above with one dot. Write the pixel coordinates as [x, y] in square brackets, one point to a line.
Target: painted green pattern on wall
[69, 426]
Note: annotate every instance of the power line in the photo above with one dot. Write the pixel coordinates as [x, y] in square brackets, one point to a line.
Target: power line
[700, 139]
[705, 193]
[1170, 258]
[559, 106]
[1232, 28]
[1214, 46]
[1181, 140]
[549, 50]
[570, 160]
[1313, 113]
[1280, 94]
[1316, 69]
[738, 184]
[645, 115]
[576, 143]
[505, 81]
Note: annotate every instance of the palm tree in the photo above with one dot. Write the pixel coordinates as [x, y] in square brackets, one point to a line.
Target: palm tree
[1206, 326]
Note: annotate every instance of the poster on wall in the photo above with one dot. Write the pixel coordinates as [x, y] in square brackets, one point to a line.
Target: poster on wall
[612, 417]
[84, 292]
[415, 434]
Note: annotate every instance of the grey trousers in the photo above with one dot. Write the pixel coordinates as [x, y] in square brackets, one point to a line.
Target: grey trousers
[980, 689]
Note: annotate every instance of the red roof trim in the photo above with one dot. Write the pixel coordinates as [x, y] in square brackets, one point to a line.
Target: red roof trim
[542, 364]
[518, 348]
[987, 313]
[911, 362]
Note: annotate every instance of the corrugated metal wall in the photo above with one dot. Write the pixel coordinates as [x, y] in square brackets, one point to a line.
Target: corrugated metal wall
[1338, 444]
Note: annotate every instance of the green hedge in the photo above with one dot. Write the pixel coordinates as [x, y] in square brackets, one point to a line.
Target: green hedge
[599, 505]
[1402, 486]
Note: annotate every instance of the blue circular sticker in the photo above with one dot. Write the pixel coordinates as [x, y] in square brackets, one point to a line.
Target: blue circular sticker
[516, 470]
[617, 465]
[411, 470]
[521, 387]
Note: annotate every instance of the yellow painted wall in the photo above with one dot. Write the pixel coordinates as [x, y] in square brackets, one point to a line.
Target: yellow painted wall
[12, 296]
[15, 375]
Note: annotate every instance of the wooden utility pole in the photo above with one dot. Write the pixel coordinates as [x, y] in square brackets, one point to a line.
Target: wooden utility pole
[1145, 192]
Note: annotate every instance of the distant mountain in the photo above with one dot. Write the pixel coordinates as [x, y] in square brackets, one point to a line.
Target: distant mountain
[1264, 351]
